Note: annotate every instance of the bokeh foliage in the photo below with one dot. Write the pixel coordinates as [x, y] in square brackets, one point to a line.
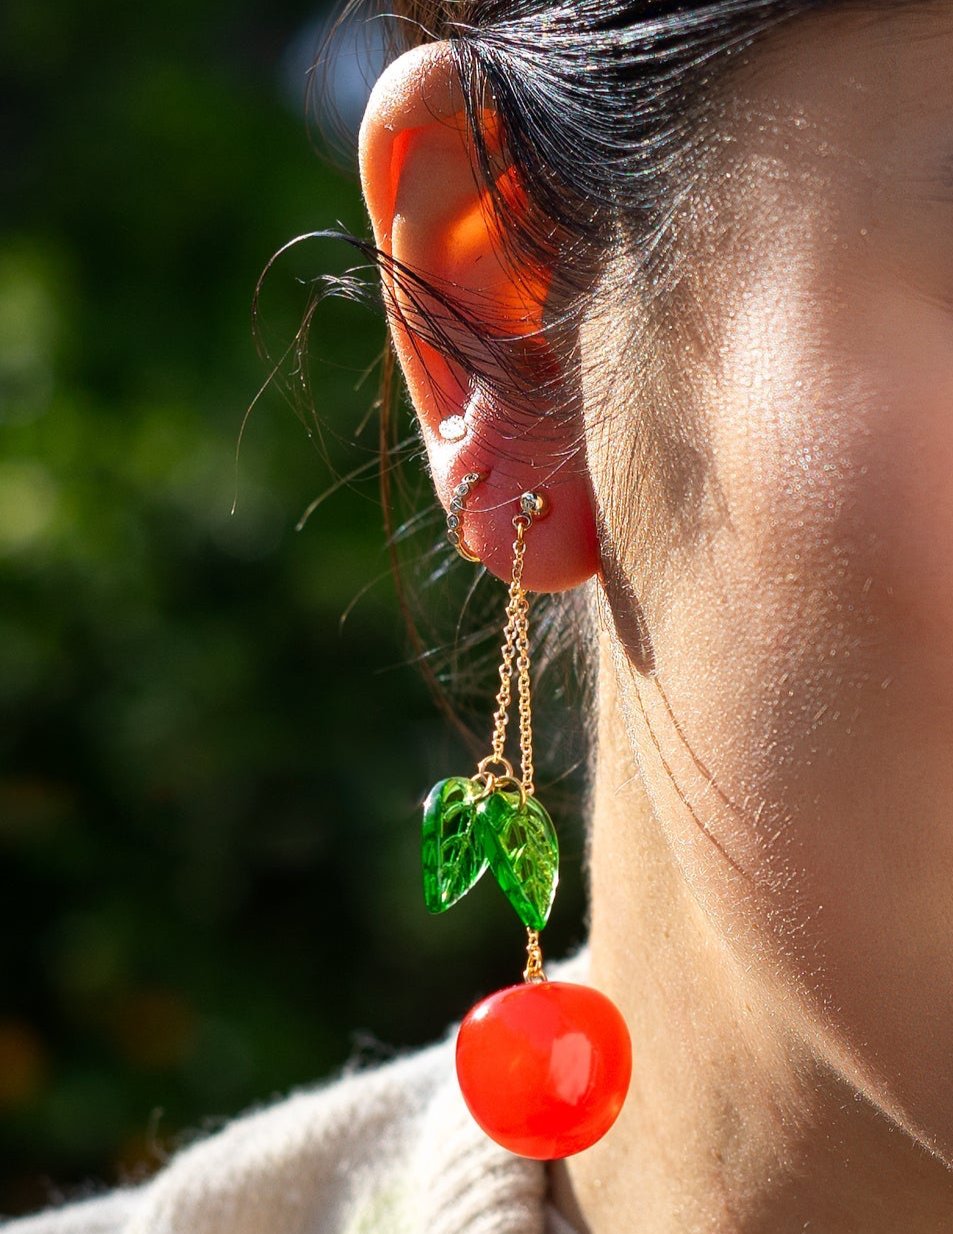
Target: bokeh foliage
[209, 782]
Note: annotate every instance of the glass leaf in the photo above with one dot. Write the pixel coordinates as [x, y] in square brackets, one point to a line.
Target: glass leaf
[453, 858]
[523, 853]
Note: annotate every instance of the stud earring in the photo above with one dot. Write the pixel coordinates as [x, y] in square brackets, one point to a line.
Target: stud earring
[452, 428]
[457, 504]
[543, 1066]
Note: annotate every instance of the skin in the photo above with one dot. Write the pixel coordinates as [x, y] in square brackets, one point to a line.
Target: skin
[771, 848]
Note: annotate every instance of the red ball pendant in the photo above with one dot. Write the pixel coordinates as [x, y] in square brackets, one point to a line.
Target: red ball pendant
[544, 1068]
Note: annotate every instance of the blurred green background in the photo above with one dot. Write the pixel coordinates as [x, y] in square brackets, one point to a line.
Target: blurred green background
[213, 742]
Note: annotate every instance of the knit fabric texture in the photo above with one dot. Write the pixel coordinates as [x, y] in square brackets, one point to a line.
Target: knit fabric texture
[391, 1150]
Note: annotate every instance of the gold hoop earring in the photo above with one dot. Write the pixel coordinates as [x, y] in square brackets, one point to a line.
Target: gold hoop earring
[457, 506]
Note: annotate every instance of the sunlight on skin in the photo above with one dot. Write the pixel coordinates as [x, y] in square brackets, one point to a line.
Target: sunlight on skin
[782, 944]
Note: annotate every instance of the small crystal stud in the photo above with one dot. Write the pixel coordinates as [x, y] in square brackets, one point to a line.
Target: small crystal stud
[452, 428]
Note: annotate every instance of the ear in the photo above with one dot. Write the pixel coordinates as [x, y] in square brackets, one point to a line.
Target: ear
[453, 296]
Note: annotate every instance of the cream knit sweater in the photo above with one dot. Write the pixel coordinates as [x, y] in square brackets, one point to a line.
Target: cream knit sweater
[391, 1150]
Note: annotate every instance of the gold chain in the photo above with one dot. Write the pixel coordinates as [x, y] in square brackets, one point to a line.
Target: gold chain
[534, 958]
[515, 647]
[515, 653]
[523, 690]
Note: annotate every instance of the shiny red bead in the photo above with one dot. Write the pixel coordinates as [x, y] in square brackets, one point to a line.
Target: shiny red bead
[544, 1068]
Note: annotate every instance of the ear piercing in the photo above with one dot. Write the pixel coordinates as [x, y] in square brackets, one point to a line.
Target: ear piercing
[457, 504]
[452, 428]
[532, 505]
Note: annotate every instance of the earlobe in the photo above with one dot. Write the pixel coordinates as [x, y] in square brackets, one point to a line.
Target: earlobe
[459, 310]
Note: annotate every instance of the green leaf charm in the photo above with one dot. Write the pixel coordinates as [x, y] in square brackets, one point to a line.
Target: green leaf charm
[453, 857]
[521, 846]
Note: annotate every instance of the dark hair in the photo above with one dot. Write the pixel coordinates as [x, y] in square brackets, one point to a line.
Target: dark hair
[599, 100]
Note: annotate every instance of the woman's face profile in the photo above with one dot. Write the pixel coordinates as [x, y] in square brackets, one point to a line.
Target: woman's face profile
[799, 751]
[768, 432]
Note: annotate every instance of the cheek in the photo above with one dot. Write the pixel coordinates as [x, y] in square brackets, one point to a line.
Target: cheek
[802, 718]
[832, 467]
[910, 460]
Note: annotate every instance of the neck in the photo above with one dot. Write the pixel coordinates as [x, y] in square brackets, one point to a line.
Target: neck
[733, 1122]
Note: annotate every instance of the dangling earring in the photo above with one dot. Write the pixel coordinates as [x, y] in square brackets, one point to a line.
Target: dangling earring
[544, 1066]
